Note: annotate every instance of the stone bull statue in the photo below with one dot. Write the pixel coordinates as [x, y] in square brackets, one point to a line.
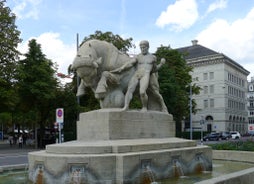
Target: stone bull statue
[97, 64]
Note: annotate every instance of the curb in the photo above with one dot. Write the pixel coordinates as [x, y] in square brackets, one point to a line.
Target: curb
[13, 167]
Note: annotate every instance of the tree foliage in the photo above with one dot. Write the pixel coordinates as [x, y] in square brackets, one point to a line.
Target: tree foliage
[37, 85]
[9, 40]
[121, 44]
[175, 80]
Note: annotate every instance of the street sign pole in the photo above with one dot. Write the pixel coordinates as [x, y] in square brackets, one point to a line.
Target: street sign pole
[202, 122]
[60, 120]
[59, 132]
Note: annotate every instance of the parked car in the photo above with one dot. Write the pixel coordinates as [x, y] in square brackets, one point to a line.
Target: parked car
[235, 135]
[214, 136]
[226, 135]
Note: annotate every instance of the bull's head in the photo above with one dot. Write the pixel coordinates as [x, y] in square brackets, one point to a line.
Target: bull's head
[86, 68]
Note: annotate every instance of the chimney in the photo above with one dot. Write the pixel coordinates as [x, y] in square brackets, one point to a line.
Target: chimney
[194, 42]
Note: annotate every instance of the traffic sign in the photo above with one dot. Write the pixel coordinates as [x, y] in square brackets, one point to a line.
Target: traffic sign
[60, 115]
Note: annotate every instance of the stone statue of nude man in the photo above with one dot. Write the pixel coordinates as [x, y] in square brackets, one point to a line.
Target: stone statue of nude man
[145, 76]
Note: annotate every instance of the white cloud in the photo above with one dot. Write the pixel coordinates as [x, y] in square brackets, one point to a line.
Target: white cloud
[236, 39]
[219, 4]
[54, 48]
[27, 9]
[180, 15]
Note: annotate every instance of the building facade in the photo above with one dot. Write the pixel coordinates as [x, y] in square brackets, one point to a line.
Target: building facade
[222, 102]
[250, 106]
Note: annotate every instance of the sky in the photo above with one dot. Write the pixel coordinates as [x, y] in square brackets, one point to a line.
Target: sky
[225, 26]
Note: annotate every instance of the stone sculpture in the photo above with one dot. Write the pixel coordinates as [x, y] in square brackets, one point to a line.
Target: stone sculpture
[110, 73]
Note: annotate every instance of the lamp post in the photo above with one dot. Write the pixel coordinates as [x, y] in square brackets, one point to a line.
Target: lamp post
[191, 129]
[190, 112]
[78, 99]
[202, 122]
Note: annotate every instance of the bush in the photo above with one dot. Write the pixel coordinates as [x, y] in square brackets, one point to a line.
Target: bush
[234, 145]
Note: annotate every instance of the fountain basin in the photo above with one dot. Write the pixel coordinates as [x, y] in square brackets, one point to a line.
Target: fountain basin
[120, 147]
[222, 169]
[118, 164]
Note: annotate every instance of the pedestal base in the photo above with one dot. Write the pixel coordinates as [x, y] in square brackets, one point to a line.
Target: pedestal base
[149, 153]
[113, 124]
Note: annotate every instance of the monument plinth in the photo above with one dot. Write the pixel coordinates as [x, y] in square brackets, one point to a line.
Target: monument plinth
[117, 147]
[112, 124]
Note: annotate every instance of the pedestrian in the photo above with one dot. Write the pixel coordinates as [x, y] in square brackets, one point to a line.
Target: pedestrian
[20, 141]
[10, 140]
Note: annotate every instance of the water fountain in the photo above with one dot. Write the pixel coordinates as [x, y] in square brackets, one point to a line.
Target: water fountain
[220, 168]
[120, 147]
[177, 168]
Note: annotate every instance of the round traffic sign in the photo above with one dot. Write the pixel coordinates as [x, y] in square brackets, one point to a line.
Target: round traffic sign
[59, 113]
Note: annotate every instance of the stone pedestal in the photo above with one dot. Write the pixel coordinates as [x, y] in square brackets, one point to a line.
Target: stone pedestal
[118, 148]
[115, 124]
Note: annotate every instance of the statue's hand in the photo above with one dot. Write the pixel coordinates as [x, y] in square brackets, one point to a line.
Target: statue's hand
[163, 61]
[118, 70]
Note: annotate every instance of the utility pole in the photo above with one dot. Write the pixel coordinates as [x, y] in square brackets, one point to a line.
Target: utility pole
[190, 112]
[78, 100]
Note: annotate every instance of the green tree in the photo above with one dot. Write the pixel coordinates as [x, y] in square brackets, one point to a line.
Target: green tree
[175, 80]
[37, 86]
[121, 44]
[9, 40]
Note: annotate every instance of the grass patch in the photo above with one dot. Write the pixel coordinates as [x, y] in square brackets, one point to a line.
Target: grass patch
[247, 145]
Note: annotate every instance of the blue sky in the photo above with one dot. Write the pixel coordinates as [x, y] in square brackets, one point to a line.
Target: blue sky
[226, 26]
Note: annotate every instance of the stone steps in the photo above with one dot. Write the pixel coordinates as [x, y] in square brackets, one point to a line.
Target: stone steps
[118, 146]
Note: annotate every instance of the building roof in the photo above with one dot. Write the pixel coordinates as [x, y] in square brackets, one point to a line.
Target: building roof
[198, 51]
[195, 51]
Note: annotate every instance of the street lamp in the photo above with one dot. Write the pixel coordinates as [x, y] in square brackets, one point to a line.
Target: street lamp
[190, 112]
[194, 79]
[202, 122]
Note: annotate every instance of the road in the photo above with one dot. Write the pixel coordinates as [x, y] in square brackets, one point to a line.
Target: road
[13, 155]
[13, 159]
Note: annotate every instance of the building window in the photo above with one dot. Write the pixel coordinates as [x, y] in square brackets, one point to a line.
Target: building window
[211, 75]
[229, 90]
[211, 103]
[205, 76]
[205, 89]
[211, 88]
[205, 103]
[251, 88]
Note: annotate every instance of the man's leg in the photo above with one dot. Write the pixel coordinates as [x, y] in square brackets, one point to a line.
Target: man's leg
[144, 81]
[129, 94]
[155, 89]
